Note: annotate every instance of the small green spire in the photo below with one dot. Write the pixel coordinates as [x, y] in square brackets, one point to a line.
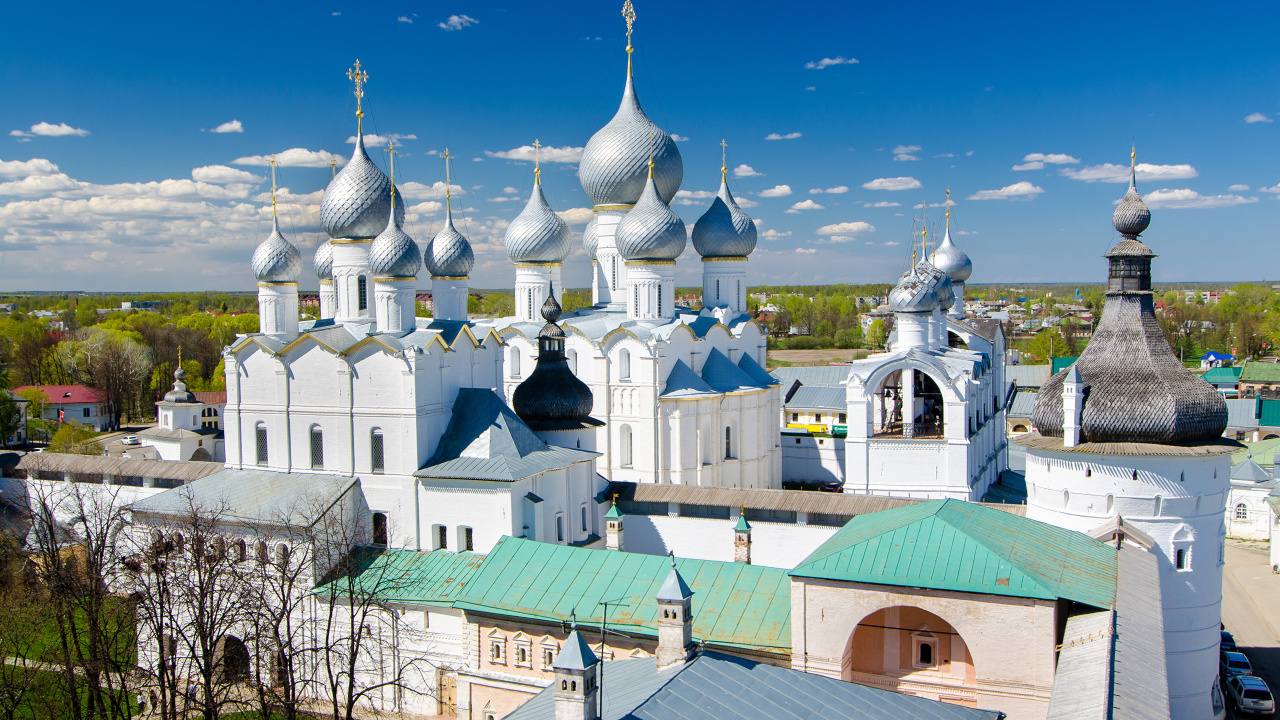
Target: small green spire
[743, 525]
[613, 513]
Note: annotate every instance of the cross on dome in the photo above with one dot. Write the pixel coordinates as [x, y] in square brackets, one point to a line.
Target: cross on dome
[359, 77]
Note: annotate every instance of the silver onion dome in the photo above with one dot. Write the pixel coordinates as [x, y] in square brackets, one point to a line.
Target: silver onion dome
[650, 230]
[615, 160]
[1131, 217]
[938, 280]
[951, 260]
[356, 203]
[724, 230]
[180, 393]
[276, 259]
[393, 253]
[449, 254]
[538, 234]
[912, 295]
[591, 237]
[324, 261]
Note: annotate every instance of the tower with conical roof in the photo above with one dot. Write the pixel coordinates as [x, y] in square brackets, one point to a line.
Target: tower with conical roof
[724, 236]
[650, 237]
[951, 260]
[576, 690]
[1127, 432]
[537, 241]
[614, 171]
[277, 265]
[449, 258]
[394, 260]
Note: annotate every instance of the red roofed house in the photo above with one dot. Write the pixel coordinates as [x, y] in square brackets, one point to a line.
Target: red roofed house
[66, 403]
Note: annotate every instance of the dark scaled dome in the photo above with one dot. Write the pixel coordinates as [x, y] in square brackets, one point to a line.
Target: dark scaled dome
[1131, 217]
[179, 393]
[553, 398]
[724, 230]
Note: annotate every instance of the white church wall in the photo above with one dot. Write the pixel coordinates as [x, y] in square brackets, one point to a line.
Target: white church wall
[781, 545]
[1247, 514]
[807, 458]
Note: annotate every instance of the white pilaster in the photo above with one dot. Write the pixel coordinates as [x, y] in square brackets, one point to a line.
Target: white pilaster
[394, 300]
[913, 331]
[278, 309]
[610, 282]
[651, 289]
[534, 281]
[724, 283]
[327, 300]
[449, 298]
[957, 310]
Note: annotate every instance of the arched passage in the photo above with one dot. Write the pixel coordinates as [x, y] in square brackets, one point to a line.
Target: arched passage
[892, 413]
[911, 650]
[230, 659]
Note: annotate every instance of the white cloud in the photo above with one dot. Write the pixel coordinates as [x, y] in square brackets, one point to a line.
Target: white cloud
[407, 19]
[1275, 189]
[966, 232]
[811, 87]
[504, 198]
[806, 251]
[776, 191]
[1037, 161]
[678, 137]
[457, 22]
[1147, 172]
[374, 140]
[881, 204]
[577, 216]
[804, 205]
[1257, 118]
[942, 155]
[895, 183]
[775, 234]
[1238, 188]
[27, 168]
[45, 129]
[1017, 191]
[745, 170]
[837, 190]
[295, 157]
[1181, 199]
[776, 136]
[906, 153]
[890, 243]
[435, 191]
[745, 203]
[564, 154]
[232, 126]
[828, 62]
[846, 228]
[510, 190]
[223, 175]
[691, 196]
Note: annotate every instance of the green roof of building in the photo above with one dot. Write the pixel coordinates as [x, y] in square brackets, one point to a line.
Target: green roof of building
[734, 604]
[965, 547]
[428, 578]
[614, 512]
[1263, 372]
[743, 525]
[1222, 375]
[1262, 452]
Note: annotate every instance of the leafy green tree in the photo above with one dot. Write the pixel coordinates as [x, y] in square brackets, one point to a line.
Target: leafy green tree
[10, 417]
[1048, 343]
[877, 333]
[75, 438]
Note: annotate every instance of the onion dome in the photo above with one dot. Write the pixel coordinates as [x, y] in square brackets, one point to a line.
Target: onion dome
[613, 165]
[724, 230]
[356, 203]
[552, 398]
[938, 280]
[1131, 217]
[324, 261]
[650, 230]
[180, 393]
[951, 260]
[393, 253]
[449, 254]
[591, 237]
[1135, 390]
[276, 260]
[538, 234]
[913, 295]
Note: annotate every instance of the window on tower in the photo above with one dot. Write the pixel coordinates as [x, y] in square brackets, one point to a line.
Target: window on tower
[376, 450]
[317, 448]
[362, 293]
[260, 434]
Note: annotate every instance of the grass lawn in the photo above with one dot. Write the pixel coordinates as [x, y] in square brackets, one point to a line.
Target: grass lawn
[48, 700]
[48, 646]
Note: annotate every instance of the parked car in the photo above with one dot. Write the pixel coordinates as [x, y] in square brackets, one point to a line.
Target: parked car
[1234, 663]
[1228, 642]
[133, 440]
[1251, 695]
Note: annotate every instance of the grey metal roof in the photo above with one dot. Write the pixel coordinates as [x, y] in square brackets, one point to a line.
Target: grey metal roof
[1242, 413]
[615, 161]
[818, 398]
[724, 230]
[357, 200]
[713, 686]
[1249, 471]
[538, 234]
[393, 253]
[295, 499]
[1032, 376]
[178, 433]
[822, 375]
[674, 588]
[951, 260]
[323, 262]
[576, 654]
[1131, 217]
[591, 237]
[186, 471]
[1023, 404]
[682, 381]
[1217, 446]
[651, 230]
[721, 374]
[449, 254]
[276, 259]
[485, 440]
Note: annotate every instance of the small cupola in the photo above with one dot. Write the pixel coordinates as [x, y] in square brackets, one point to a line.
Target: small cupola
[675, 620]
[575, 693]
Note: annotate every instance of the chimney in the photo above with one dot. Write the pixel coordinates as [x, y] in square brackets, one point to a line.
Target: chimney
[1072, 406]
[575, 693]
[675, 620]
[613, 526]
[742, 539]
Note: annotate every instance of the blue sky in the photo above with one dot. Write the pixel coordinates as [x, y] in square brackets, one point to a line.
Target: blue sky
[112, 176]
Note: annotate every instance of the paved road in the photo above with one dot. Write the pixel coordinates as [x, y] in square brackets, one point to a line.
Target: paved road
[1250, 609]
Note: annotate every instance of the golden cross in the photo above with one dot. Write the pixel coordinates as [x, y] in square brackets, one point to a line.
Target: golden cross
[272, 162]
[537, 158]
[1133, 156]
[724, 164]
[629, 14]
[447, 182]
[650, 144]
[924, 238]
[333, 166]
[391, 150]
[948, 207]
[359, 77]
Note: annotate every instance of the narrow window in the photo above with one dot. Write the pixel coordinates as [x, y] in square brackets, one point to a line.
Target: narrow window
[1180, 559]
[659, 301]
[636, 292]
[842, 418]
[1159, 505]
[624, 443]
[260, 432]
[239, 552]
[376, 450]
[362, 293]
[624, 364]
[584, 518]
[728, 443]
[515, 362]
[1111, 503]
[559, 527]
[1242, 512]
[442, 537]
[379, 528]
[817, 417]
[282, 557]
[467, 543]
[572, 356]
[1066, 498]
[717, 289]
[795, 417]
[926, 654]
[530, 302]
[317, 448]
[613, 284]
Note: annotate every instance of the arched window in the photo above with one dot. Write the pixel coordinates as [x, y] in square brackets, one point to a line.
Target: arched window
[1066, 498]
[362, 293]
[624, 364]
[465, 541]
[376, 450]
[317, 448]
[260, 434]
[379, 528]
[728, 443]
[239, 552]
[1242, 512]
[1111, 503]
[624, 445]
[260, 553]
[282, 557]
[513, 360]
[572, 357]
[1159, 505]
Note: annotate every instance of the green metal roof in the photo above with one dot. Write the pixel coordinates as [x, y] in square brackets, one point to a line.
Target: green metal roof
[1260, 372]
[1222, 375]
[734, 604]
[429, 578]
[743, 525]
[965, 547]
[1263, 452]
[614, 512]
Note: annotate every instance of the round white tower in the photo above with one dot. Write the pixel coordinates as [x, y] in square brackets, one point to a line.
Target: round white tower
[650, 238]
[1127, 431]
[324, 273]
[537, 241]
[394, 260]
[277, 265]
[449, 258]
[724, 236]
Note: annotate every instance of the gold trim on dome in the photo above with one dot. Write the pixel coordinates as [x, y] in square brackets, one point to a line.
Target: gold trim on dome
[448, 277]
[277, 284]
[350, 241]
[727, 258]
[326, 282]
[539, 264]
[393, 279]
[660, 263]
[603, 208]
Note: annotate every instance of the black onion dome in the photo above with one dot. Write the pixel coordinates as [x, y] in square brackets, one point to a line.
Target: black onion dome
[553, 398]
[1131, 217]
